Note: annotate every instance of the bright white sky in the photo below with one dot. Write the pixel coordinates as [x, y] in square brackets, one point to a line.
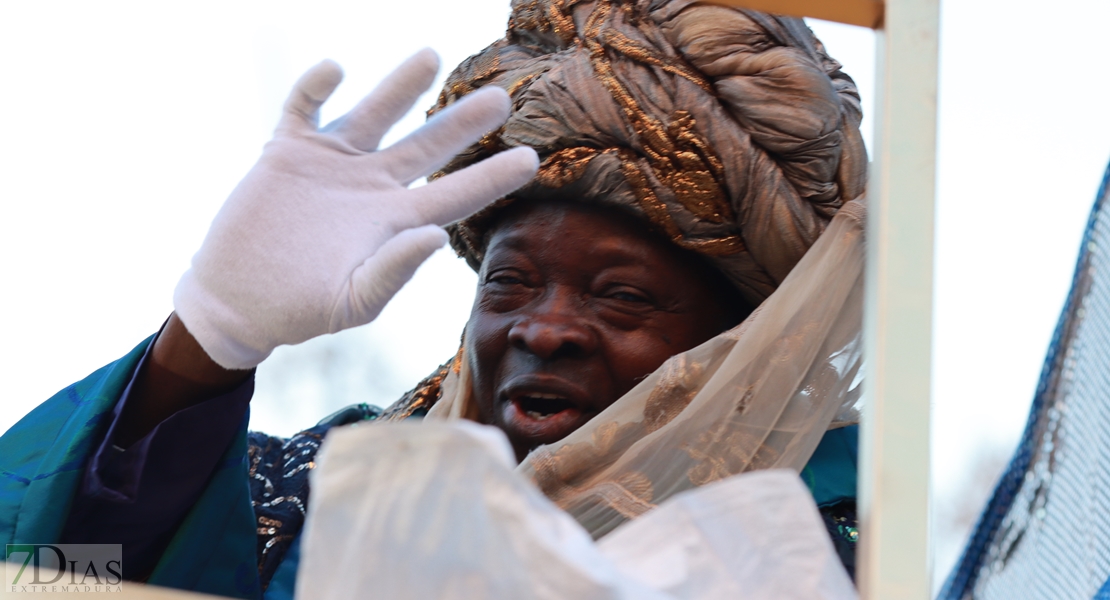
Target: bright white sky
[127, 123]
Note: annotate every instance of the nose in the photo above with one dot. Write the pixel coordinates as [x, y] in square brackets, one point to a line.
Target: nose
[558, 327]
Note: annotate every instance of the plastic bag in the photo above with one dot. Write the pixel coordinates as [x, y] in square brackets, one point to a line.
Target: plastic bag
[435, 512]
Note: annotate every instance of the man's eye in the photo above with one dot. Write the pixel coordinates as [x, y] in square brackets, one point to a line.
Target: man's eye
[504, 279]
[629, 296]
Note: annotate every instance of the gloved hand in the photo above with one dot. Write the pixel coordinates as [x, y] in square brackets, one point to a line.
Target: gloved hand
[323, 231]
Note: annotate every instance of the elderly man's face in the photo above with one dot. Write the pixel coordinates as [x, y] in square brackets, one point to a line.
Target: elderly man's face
[574, 307]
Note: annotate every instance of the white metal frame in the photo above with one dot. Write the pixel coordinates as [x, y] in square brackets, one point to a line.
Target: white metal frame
[895, 559]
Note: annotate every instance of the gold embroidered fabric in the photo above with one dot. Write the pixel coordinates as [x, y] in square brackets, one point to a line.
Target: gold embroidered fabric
[730, 131]
[759, 396]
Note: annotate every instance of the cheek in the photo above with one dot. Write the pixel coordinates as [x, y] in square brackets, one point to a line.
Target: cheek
[635, 355]
[486, 344]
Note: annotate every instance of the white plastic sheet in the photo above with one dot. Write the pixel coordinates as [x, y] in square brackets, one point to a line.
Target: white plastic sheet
[434, 511]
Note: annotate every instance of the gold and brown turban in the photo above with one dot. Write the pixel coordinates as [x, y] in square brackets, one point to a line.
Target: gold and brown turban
[730, 131]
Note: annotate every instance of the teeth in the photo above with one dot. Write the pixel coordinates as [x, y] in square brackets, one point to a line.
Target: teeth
[535, 415]
[546, 396]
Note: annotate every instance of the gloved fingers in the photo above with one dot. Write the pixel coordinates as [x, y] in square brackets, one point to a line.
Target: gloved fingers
[364, 126]
[446, 134]
[461, 193]
[302, 108]
[380, 277]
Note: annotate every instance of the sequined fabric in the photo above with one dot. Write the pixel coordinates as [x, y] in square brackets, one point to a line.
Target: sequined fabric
[1045, 533]
[842, 524]
[729, 131]
[279, 469]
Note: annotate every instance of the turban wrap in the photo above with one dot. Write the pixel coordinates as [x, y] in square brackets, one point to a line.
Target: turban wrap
[729, 131]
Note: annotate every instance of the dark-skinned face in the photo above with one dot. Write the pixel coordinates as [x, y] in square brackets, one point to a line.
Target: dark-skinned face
[574, 307]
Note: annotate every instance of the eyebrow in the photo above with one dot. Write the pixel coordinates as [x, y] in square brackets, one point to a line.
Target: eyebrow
[614, 254]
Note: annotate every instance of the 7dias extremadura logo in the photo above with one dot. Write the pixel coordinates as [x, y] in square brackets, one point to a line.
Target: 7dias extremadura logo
[79, 568]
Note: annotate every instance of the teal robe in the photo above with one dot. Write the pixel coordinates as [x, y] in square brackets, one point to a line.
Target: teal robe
[43, 458]
[42, 463]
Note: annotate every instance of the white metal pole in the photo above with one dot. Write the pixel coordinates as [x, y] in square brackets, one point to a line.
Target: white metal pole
[894, 560]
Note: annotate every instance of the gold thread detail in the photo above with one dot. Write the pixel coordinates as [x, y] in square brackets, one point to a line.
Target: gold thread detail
[565, 166]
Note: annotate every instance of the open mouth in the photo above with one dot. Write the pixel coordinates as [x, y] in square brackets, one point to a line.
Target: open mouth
[541, 410]
[540, 407]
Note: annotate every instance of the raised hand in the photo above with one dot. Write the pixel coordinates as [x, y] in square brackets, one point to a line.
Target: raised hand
[323, 230]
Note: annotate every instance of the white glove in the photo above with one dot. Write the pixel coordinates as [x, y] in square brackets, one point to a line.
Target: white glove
[323, 231]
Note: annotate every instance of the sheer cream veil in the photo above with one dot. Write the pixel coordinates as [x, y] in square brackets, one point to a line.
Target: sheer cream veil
[759, 396]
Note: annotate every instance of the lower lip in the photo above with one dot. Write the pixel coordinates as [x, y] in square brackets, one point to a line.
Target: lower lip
[542, 431]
